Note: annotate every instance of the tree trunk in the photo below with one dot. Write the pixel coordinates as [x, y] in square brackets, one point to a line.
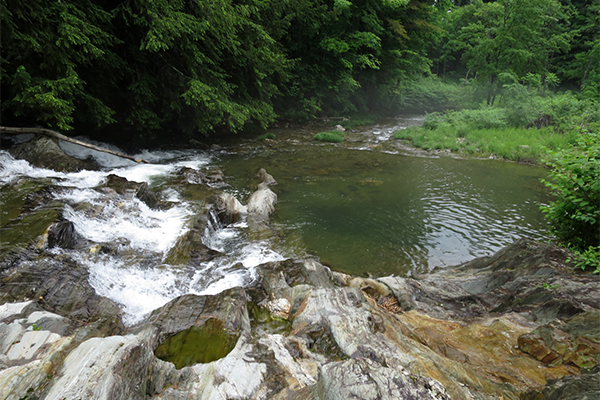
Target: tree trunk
[51, 133]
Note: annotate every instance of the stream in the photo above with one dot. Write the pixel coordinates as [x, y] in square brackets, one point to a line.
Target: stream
[368, 206]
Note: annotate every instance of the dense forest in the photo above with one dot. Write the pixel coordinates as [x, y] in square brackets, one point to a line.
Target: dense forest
[166, 68]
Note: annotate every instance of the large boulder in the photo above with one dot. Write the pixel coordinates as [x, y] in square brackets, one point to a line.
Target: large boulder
[44, 152]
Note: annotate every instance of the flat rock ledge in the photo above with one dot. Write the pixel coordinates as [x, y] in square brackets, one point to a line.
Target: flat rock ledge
[518, 325]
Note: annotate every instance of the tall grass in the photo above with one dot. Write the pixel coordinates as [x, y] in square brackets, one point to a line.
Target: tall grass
[518, 144]
[502, 131]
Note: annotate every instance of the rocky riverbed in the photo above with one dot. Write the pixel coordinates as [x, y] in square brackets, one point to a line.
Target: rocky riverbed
[521, 324]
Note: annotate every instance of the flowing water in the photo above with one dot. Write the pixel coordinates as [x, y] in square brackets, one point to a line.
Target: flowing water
[368, 206]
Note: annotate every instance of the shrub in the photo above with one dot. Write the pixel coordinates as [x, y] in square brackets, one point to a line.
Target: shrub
[575, 180]
[331, 136]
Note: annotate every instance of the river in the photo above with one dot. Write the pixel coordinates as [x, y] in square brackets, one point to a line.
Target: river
[368, 206]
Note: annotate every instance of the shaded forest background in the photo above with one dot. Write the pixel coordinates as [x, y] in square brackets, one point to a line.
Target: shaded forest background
[141, 71]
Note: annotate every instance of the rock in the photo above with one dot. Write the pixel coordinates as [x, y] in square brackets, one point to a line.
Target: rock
[262, 202]
[31, 344]
[457, 333]
[62, 234]
[340, 128]
[44, 152]
[89, 371]
[49, 322]
[133, 189]
[227, 208]
[362, 378]
[582, 387]
[553, 346]
[61, 286]
[265, 177]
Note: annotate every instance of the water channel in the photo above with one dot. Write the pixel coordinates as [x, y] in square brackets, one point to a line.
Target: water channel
[369, 206]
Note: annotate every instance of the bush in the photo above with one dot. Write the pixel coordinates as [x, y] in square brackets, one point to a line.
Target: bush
[575, 180]
[331, 136]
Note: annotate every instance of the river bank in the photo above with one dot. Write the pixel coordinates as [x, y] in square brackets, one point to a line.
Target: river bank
[502, 326]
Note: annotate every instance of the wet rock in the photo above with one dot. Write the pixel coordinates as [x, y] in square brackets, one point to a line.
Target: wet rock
[265, 177]
[60, 285]
[62, 234]
[227, 208]
[193, 176]
[190, 247]
[133, 189]
[44, 152]
[191, 310]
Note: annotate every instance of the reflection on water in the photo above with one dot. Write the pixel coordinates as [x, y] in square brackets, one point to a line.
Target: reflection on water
[368, 212]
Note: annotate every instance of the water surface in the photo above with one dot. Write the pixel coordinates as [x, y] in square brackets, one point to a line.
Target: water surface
[380, 211]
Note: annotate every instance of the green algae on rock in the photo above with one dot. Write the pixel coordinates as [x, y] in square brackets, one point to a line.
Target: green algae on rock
[198, 344]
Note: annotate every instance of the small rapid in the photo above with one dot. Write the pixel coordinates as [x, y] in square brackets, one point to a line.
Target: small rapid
[128, 241]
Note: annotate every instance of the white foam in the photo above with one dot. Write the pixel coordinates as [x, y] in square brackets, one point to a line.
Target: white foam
[11, 169]
[138, 290]
[144, 172]
[133, 222]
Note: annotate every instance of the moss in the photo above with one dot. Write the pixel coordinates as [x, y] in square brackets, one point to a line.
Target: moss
[262, 320]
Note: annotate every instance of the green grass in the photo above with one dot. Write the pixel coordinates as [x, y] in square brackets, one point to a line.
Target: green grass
[518, 144]
[331, 136]
[268, 135]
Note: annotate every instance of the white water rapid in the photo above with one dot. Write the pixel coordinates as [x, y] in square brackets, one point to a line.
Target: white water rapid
[135, 274]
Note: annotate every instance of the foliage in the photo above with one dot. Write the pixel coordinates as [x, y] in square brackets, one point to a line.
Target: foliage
[588, 259]
[202, 67]
[148, 66]
[46, 65]
[331, 136]
[575, 180]
[581, 66]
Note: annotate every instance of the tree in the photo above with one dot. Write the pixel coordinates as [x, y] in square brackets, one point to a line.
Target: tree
[509, 36]
[350, 55]
[48, 50]
[177, 66]
[581, 65]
